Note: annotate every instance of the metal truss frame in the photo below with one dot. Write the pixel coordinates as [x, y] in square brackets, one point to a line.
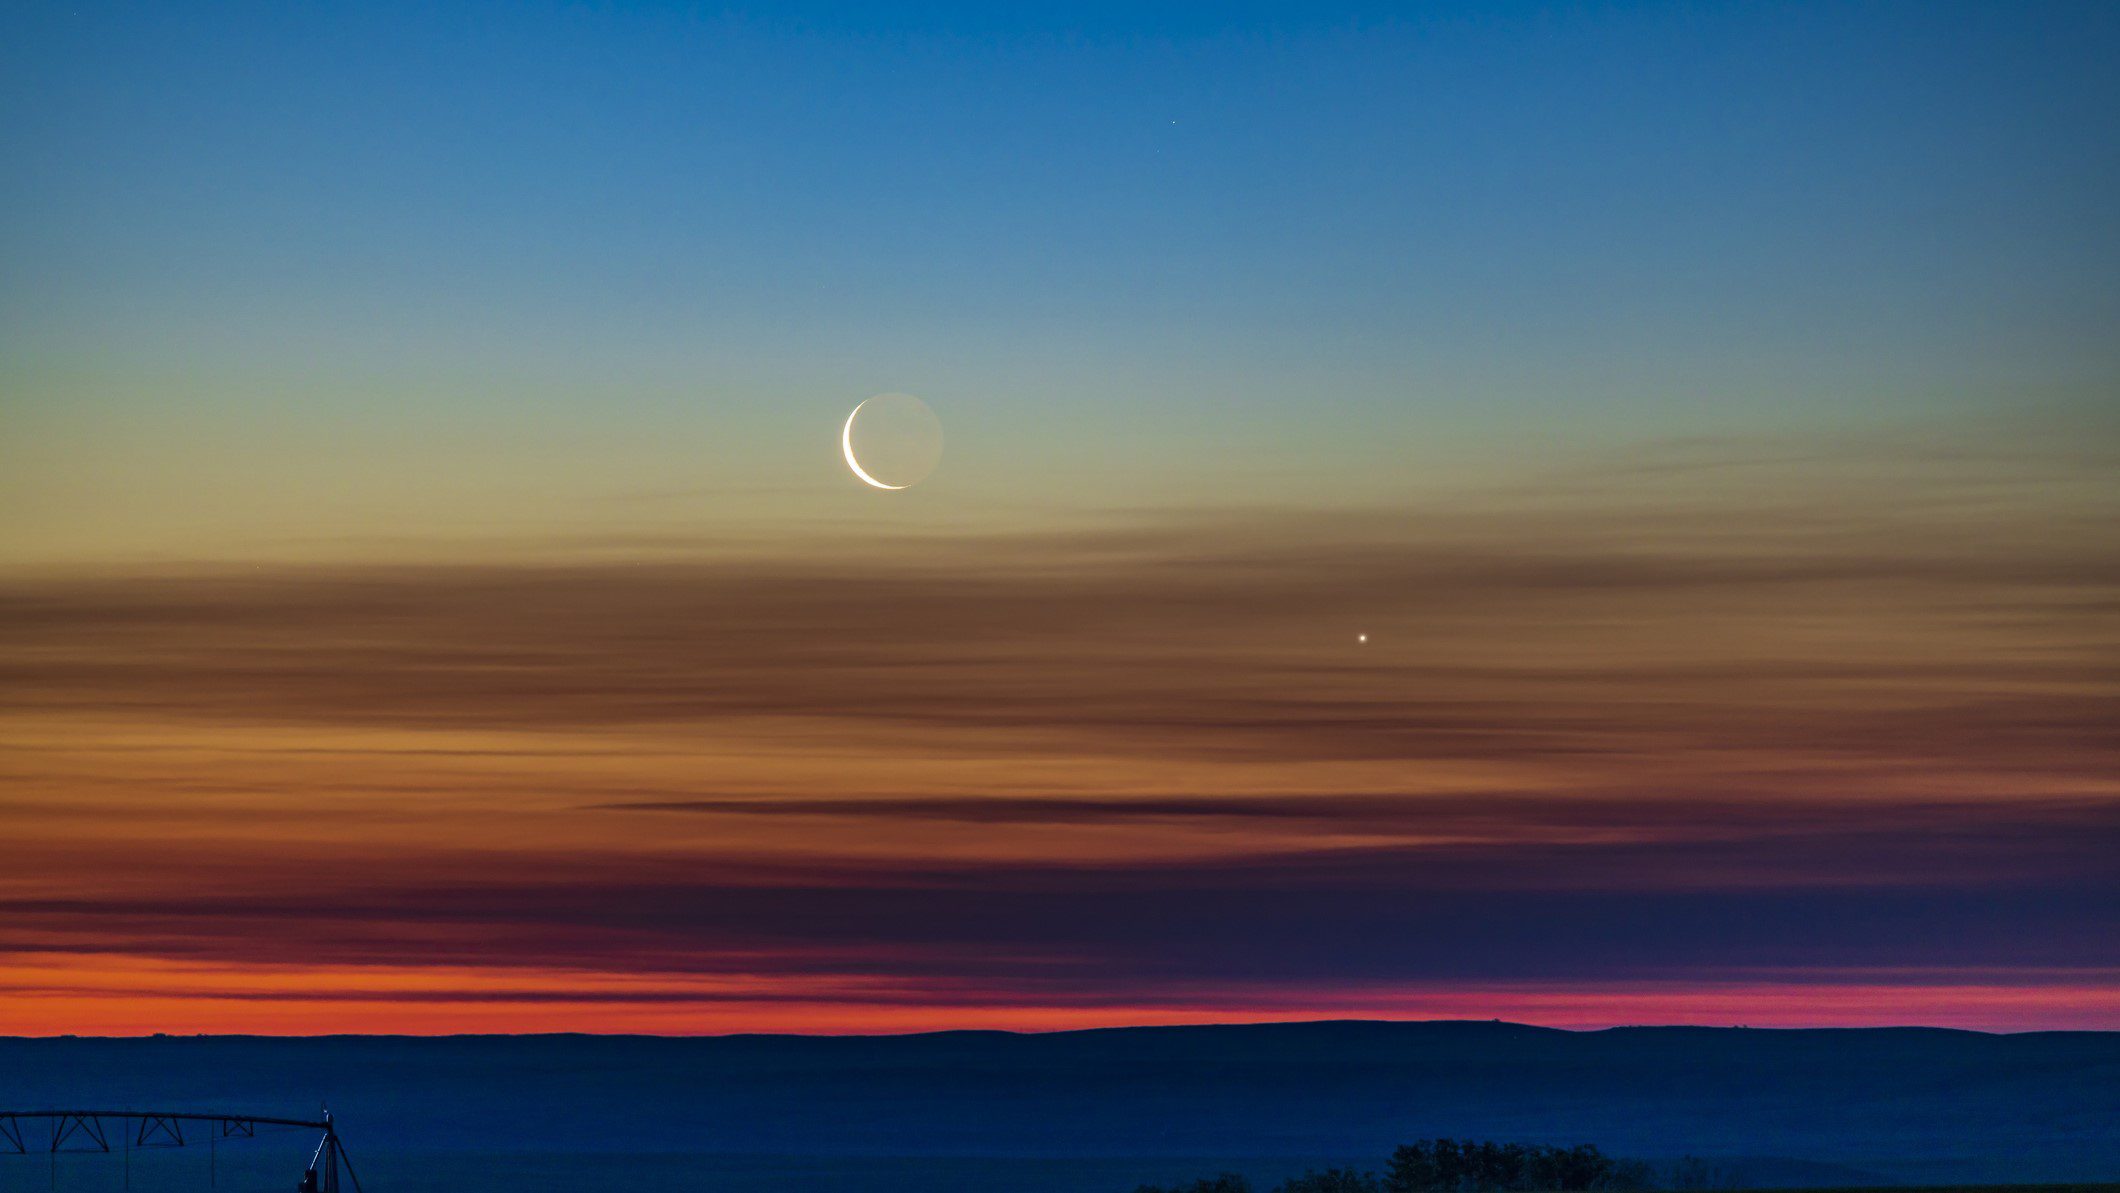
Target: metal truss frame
[84, 1131]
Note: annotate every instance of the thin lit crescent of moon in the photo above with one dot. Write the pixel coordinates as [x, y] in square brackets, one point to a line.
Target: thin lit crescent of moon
[846, 444]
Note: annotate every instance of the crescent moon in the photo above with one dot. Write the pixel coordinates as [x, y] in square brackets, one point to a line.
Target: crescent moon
[846, 444]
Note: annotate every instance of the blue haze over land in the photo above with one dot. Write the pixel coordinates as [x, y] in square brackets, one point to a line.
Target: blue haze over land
[1105, 1110]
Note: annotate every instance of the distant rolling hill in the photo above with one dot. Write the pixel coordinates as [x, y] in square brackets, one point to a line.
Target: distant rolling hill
[1842, 1106]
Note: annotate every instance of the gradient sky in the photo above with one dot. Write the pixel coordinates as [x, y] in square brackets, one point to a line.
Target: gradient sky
[431, 598]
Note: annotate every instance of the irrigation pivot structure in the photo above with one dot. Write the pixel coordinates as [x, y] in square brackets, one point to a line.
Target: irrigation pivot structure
[95, 1131]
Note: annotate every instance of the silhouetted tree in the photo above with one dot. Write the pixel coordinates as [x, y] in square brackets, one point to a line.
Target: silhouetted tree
[1580, 1167]
[1415, 1169]
[1467, 1166]
[1332, 1180]
[1228, 1182]
[1473, 1166]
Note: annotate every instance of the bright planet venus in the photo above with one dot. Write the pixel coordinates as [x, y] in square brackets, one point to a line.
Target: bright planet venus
[892, 441]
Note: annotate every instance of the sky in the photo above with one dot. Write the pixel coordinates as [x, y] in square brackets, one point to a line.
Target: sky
[1580, 514]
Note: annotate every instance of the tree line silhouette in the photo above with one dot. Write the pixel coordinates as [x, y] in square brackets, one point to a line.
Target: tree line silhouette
[1482, 1166]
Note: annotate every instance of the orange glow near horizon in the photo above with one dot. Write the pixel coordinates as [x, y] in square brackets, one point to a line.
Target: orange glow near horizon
[123, 997]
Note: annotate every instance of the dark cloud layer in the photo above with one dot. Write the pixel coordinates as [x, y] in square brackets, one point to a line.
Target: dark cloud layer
[1954, 894]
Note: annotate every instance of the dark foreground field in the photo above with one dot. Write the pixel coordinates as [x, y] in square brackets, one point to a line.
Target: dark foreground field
[1097, 1112]
[517, 1172]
